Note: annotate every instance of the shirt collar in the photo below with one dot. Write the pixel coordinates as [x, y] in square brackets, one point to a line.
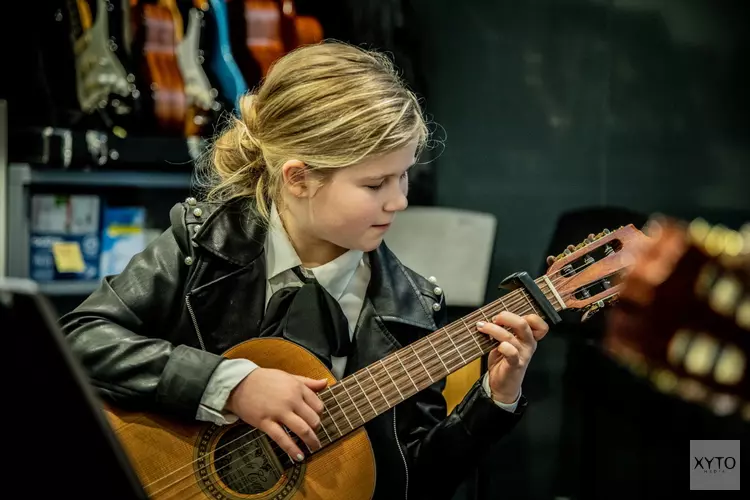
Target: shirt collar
[334, 276]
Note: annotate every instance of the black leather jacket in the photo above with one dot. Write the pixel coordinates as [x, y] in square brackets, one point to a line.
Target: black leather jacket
[151, 337]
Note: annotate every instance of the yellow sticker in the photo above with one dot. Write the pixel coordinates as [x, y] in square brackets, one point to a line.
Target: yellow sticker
[68, 257]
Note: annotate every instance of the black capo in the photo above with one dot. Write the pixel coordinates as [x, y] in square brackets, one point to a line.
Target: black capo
[523, 280]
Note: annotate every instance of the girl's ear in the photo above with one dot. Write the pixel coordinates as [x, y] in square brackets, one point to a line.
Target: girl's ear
[296, 178]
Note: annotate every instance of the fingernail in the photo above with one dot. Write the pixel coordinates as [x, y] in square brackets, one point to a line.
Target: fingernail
[494, 318]
[300, 457]
[480, 324]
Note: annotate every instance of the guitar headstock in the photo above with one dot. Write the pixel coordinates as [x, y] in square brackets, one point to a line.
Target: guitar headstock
[589, 276]
[683, 318]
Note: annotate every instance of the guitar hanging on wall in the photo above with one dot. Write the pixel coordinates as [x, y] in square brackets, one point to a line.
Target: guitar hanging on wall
[196, 460]
[105, 81]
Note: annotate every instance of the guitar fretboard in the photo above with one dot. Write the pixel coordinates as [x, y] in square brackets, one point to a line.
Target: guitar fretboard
[373, 390]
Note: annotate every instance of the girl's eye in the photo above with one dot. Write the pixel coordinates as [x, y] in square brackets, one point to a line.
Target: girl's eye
[375, 188]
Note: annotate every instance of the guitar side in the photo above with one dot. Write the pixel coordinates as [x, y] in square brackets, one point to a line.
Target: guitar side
[184, 459]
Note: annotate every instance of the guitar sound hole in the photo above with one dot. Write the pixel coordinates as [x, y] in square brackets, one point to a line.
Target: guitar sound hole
[246, 462]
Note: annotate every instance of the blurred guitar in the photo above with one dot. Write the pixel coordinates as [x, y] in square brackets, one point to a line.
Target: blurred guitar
[231, 83]
[155, 45]
[202, 461]
[203, 105]
[105, 81]
[683, 320]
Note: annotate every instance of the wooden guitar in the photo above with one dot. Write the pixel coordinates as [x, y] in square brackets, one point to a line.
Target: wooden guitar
[683, 319]
[265, 31]
[196, 460]
[105, 82]
[155, 43]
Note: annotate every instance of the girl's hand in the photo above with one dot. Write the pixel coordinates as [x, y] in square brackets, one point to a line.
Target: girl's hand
[268, 399]
[518, 337]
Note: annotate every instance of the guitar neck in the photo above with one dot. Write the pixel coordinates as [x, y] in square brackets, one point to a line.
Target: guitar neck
[373, 390]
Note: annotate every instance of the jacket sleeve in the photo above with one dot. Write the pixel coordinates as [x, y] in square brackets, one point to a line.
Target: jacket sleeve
[448, 447]
[120, 332]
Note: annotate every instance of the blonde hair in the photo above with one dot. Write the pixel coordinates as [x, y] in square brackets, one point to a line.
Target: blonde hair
[329, 105]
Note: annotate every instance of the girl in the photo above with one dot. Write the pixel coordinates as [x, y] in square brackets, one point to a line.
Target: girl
[305, 185]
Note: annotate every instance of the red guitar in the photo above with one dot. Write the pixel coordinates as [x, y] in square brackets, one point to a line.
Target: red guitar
[683, 318]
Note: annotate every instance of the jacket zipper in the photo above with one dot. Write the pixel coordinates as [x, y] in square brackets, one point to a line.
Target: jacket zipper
[401, 451]
[195, 322]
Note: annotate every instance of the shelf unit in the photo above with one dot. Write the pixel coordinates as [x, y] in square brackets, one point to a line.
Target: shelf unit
[21, 177]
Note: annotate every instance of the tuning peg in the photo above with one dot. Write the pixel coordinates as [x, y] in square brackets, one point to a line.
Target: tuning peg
[550, 260]
[698, 230]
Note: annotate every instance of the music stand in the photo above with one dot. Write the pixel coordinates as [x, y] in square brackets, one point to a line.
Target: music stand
[59, 442]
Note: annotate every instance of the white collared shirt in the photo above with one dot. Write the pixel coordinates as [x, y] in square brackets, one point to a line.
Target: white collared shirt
[346, 278]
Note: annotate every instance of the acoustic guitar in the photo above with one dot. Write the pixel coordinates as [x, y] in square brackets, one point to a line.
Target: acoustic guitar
[683, 319]
[176, 459]
[155, 45]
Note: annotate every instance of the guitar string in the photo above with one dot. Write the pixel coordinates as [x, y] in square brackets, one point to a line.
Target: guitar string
[331, 407]
[484, 340]
[215, 472]
[416, 345]
[190, 474]
[421, 345]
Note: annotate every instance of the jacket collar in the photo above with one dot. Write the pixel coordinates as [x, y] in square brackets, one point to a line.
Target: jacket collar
[234, 233]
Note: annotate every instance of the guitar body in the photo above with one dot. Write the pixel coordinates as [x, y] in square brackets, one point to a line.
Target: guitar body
[264, 32]
[186, 460]
[156, 41]
[221, 61]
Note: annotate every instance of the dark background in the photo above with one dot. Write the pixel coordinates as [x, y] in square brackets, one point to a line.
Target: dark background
[562, 117]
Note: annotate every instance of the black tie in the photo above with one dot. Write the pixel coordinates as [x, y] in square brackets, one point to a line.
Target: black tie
[308, 316]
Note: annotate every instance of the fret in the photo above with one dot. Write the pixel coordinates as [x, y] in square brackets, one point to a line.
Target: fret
[526, 296]
[503, 304]
[438, 354]
[356, 378]
[414, 350]
[323, 426]
[325, 409]
[341, 407]
[343, 384]
[392, 381]
[406, 371]
[450, 337]
[387, 404]
[471, 333]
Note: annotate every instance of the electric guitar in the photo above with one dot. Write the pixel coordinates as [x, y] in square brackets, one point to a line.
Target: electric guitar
[231, 83]
[201, 93]
[105, 82]
[197, 460]
[683, 319]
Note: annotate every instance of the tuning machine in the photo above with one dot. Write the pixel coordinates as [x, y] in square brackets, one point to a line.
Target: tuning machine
[598, 306]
